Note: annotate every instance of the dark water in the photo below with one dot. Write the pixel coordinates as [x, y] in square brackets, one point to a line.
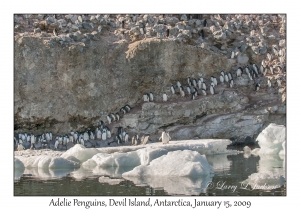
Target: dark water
[230, 178]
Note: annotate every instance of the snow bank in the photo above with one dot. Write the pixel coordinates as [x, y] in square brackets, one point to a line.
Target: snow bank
[80, 153]
[176, 163]
[45, 161]
[271, 140]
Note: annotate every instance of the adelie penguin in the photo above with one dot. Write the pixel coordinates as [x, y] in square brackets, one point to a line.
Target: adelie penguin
[257, 85]
[239, 72]
[193, 95]
[221, 78]
[123, 110]
[165, 97]
[255, 68]
[151, 96]
[229, 76]
[113, 117]
[231, 83]
[178, 84]
[226, 78]
[269, 83]
[181, 91]
[203, 86]
[172, 89]
[189, 81]
[108, 119]
[205, 23]
[212, 90]
[199, 84]
[146, 97]
[194, 83]
[203, 92]
[128, 108]
[188, 90]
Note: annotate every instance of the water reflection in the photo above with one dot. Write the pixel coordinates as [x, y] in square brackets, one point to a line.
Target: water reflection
[270, 175]
[232, 170]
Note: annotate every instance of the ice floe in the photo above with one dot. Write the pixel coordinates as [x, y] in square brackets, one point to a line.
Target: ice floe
[271, 141]
[175, 163]
[80, 153]
[115, 161]
[45, 161]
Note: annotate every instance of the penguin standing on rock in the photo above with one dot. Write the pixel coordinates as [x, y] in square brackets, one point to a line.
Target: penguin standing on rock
[108, 119]
[165, 97]
[181, 91]
[128, 108]
[151, 96]
[146, 97]
[257, 85]
[123, 110]
[193, 95]
[178, 84]
[269, 83]
[221, 78]
[172, 89]
[231, 83]
[239, 72]
[212, 90]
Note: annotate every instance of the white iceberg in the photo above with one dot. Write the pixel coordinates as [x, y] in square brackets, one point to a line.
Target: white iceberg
[80, 153]
[46, 161]
[118, 159]
[271, 141]
[204, 146]
[19, 168]
[176, 163]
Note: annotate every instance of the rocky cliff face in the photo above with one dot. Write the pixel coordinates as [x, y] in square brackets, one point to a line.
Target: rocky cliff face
[69, 78]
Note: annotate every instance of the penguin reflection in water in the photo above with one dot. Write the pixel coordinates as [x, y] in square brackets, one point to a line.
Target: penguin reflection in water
[165, 137]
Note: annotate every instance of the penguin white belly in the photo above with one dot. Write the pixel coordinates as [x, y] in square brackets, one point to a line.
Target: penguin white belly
[165, 138]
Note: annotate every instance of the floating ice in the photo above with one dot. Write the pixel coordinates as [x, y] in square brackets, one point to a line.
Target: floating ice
[247, 152]
[146, 155]
[113, 160]
[80, 153]
[204, 146]
[271, 140]
[118, 159]
[19, 168]
[176, 163]
[45, 161]
[110, 181]
[174, 185]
